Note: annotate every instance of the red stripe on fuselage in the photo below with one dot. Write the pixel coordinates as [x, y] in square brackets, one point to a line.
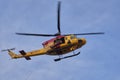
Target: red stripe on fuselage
[51, 40]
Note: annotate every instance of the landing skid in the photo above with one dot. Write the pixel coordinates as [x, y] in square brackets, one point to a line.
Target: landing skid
[58, 59]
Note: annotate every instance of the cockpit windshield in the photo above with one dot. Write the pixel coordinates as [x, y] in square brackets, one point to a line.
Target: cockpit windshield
[72, 36]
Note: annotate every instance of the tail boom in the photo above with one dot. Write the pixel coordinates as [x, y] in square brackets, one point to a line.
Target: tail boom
[26, 55]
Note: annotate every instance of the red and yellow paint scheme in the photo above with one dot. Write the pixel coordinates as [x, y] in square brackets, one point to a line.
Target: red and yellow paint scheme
[55, 46]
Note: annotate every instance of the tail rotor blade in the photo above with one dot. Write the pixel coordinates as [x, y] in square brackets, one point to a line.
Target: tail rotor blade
[7, 49]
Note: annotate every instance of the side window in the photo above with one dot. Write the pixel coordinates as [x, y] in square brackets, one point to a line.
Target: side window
[59, 41]
[72, 36]
[63, 40]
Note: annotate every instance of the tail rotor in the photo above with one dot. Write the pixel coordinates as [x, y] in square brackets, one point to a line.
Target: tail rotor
[7, 49]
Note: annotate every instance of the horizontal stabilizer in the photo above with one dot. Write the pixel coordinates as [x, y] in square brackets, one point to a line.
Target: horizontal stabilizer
[24, 53]
[27, 58]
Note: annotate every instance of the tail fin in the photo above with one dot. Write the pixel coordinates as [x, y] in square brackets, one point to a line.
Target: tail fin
[12, 54]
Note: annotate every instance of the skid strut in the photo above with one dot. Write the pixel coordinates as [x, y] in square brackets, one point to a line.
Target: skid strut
[58, 59]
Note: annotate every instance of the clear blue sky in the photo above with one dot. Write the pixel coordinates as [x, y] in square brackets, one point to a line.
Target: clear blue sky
[99, 59]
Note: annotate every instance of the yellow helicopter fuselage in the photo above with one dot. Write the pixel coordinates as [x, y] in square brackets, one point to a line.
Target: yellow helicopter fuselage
[64, 45]
[56, 46]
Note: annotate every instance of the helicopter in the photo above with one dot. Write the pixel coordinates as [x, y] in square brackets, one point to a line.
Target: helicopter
[59, 45]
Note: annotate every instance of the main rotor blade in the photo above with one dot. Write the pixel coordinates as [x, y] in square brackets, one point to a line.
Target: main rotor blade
[58, 18]
[95, 33]
[31, 34]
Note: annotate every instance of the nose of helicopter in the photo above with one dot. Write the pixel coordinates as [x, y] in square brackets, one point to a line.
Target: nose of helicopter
[82, 41]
